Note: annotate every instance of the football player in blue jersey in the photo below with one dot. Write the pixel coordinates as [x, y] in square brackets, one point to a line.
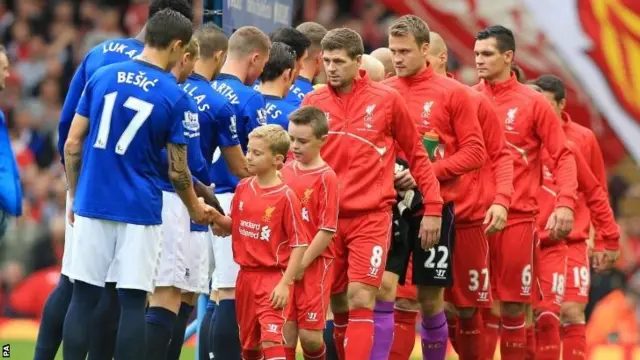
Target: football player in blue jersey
[275, 81]
[127, 114]
[50, 332]
[247, 55]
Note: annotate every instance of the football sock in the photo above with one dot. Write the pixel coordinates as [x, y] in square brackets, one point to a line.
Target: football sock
[319, 354]
[329, 342]
[435, 336]
[252, 355]
[226, 340]
[513, 338]
[404, 337]
[547, 330]
[383, 330]
[76, 333]
[132, 332]
[290, 353]
[574, 342]
[470, 340]
[531, 342]
[55, 309]
[177, 338]
[160, 324]
[491, 332]
[275, 352]
[105, 316]
[452, 325]
[204, 332]
[340, 322]
[360, 331]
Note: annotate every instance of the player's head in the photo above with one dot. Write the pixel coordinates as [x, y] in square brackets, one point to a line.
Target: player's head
[213, 46]
[342, 51]
[297, 40]
[385, 56]
[409, 43]
[437, 55]
[315, 32]
[267, 149]
[373, 66]
[168, 32]
[181, 6]
[494, 50]
[519, 73]
[308, 131]
[184, 67]
[533, 86]
[280, 68]
[553, 89]
[4, 67]
[249, 46]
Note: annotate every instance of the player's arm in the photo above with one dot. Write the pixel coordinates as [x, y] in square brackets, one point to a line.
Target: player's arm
[69, 107]
[73, 151]
[328, 211]
[206, 193]
[236, 161]
[596, 162]
[229, 143]
[254, 114]
[471, 152]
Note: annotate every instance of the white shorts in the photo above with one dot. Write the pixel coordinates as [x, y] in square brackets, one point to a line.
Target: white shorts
[226, 270]
[201, 270]
[68, 240]
[110, 251]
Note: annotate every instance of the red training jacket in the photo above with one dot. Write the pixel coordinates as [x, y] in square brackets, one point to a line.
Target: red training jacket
[530, 123]
[437, 103]
[595, 197]
[363, 128]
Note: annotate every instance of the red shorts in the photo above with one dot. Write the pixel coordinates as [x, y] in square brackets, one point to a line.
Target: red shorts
[258, 322]
[311, 295]
[408, 290]
[361, 247]
[578, 276]
[511, 266]
[471, 281]
[552, 264]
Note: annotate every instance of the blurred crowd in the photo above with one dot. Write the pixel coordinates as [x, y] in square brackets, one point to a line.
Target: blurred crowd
[46, 39]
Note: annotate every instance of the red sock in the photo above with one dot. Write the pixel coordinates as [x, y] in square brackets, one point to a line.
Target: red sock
[574, 342]
[548, 336]
[470, 341]
[513, 338]
[340, 322]
[531, 342]
[290, 353]
[252, 354]
[452, 323]
[404, 337]
[320, 354]
[274, 352]
[359, 337]
[491, 332]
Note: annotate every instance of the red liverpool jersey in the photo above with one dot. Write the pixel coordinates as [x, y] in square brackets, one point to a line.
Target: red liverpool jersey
[317, 190]
[266, 224]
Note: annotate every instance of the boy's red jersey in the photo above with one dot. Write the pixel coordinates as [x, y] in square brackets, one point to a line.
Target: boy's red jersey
[317, 190]
[266, 224]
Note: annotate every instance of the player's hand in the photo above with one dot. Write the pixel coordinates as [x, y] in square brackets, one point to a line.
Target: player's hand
[279, 296]
[496, 218]
[218, 231]
[404, 181]
[430, 231]
[71, 217]
[608, 259]
[560, 222]
[202, 213]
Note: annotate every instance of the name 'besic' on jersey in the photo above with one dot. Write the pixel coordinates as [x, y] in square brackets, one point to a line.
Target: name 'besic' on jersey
[137, 79]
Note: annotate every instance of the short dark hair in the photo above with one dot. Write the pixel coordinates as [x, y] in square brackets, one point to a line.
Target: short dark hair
[504, 37]
[292, 37]
[552, 84]
[344, 39]
[314, 31]
[181, 6]
[281, 58]
[166, 26]
[411, 25]
[212, 39]
[311, 115]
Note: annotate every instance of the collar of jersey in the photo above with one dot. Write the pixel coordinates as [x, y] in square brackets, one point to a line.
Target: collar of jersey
[505, 86]
[223, 76]
[426, 74]
[148, 64]
[304, 79]
[272, 97]
[197, 76]
[358, 84]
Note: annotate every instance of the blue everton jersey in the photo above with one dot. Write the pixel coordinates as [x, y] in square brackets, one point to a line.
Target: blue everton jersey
[278, 110]
[217, 121]
[298, 90]
[134, 110]
[109, 52]
[248, 106]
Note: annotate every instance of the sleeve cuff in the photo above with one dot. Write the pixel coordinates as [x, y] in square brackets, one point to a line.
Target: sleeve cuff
[432, 208]
[565, 201]
[502, 200]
